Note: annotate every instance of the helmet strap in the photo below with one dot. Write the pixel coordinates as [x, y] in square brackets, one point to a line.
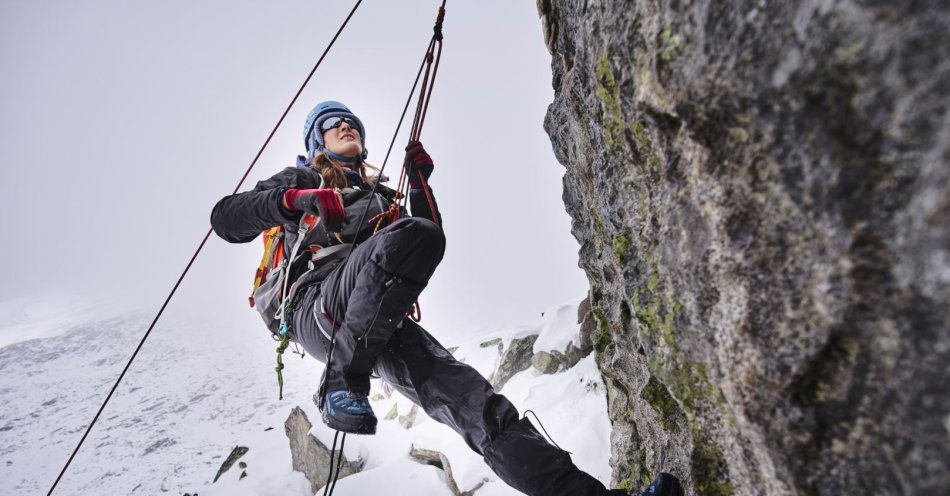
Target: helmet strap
[336, 156]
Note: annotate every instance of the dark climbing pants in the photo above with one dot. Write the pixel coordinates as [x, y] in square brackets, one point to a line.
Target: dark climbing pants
[375, 288]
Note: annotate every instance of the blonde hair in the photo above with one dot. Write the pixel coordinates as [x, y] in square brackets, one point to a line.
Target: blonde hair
[333, 171]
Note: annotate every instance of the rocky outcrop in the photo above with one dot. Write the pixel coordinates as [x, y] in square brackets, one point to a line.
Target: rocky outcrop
[761, 191]
[393, 412]
[437, 459]
[554, 361]
[408, 420]
[545, 362]
[236, 453]
[515, 359]
[493, 342]
[309, 455]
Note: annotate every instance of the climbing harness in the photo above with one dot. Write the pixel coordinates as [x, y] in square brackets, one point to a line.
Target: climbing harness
[198, 250]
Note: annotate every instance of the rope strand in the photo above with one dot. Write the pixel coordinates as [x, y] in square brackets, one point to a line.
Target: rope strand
[339, 465]
[197, 251]
[326, 487]
[526, 412]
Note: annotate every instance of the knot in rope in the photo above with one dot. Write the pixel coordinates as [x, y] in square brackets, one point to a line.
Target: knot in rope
[437, 29]
[284, 343]
[281, 348]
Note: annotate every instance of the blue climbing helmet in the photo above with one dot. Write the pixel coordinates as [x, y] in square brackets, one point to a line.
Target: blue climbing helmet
[313, 136]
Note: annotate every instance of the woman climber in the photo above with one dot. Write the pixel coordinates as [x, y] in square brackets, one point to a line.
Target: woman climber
[352, 288]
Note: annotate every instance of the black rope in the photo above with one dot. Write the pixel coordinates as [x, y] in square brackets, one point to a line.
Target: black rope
[390, 149]
[322, 390]
[331, 478]
[326, 487]
[197, 251]
[339, 465]
[526, 412]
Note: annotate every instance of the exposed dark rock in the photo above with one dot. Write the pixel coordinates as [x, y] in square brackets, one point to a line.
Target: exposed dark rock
[515, 359]
[235, 454]
[573, 354]
[585, 317]
[761, 191]
[553, 361]
[437, 459]
[157, 445]
[309, 455]
[493, 342]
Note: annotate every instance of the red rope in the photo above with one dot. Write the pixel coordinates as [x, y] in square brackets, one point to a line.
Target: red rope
[431, 61]
[422, 107]
[432, 58]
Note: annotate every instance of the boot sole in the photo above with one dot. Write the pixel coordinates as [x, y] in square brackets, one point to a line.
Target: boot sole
[361, 425]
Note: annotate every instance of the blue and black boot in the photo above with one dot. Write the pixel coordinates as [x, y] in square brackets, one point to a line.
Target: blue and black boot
[664, 485]
[347, 411]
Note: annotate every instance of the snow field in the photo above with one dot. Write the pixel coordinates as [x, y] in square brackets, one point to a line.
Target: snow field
[197, 390]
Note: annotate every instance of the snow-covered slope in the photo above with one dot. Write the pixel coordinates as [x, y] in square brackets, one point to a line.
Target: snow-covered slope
[200, 388]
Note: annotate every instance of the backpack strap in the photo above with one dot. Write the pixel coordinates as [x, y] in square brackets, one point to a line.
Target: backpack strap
[272, 237]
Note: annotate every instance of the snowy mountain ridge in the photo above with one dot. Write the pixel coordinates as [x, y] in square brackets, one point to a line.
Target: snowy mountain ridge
[198, 389]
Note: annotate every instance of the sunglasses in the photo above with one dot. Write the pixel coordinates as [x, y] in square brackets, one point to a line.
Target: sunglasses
[334, 122]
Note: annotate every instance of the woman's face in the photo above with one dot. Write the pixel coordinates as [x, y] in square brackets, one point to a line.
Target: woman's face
[343, 140]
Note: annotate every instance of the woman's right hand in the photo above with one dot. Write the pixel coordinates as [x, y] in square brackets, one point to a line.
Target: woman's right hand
[327, 204]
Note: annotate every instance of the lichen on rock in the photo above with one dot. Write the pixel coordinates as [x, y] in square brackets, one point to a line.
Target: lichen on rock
[761, 192]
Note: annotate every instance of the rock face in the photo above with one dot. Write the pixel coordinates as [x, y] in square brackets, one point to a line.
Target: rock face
[308, 454]
[761, 191]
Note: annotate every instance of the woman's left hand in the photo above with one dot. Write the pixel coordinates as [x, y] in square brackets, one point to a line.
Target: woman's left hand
[418, 162]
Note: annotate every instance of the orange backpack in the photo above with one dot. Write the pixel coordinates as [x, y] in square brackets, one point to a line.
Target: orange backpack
[274, 254]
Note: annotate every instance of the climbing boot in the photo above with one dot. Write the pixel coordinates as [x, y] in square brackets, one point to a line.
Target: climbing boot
[664, 485]
[347, 411]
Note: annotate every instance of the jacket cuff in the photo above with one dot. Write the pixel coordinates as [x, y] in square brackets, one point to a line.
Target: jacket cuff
[277, 207]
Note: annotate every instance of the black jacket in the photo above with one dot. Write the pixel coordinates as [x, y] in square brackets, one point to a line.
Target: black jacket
[241, 217]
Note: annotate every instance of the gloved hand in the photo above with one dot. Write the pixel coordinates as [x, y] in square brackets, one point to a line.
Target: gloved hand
[324, 203]
[417, 160]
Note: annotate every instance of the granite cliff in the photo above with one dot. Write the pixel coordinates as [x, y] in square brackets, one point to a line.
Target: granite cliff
[761, 191]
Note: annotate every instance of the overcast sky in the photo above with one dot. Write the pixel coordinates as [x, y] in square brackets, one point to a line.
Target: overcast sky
[123, 122]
